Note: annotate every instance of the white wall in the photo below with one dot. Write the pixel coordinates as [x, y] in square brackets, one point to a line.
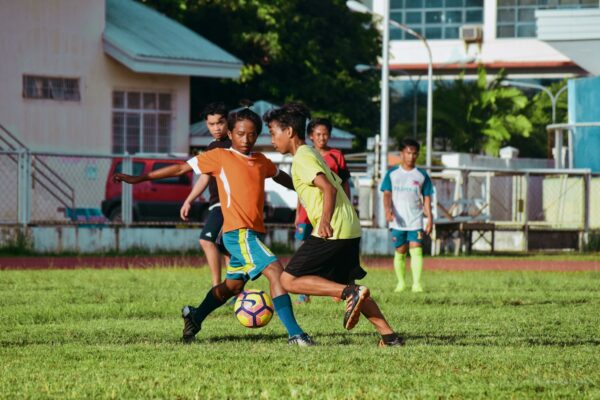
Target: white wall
[63, 38]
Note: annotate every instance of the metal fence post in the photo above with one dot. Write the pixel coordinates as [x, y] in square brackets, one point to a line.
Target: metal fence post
[126, 192]
[586, 209]
[24, 179]
[526, 211]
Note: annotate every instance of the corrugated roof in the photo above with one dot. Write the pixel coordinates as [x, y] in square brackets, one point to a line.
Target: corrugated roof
[147, 41]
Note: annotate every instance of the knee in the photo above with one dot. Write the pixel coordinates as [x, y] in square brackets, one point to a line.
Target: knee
[206, 244]
[287, 282]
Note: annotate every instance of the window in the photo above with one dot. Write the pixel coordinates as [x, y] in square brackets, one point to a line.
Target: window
[516, 18]
[141, 122]
[436, 19]
[43, 87]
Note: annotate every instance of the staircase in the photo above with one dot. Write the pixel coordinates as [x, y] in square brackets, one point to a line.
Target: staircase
[41, 173]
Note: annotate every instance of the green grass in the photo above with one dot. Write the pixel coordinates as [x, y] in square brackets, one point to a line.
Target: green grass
[115, 334]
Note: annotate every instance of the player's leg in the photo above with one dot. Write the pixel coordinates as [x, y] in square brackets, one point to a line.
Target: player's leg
[303, 231]
[371, 311]
[399, 238]
[416, 259]
[215, 298]
[208, 239]
[323, 267]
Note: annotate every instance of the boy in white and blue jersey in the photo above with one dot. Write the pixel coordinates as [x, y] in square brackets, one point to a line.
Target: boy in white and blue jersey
[407, 192]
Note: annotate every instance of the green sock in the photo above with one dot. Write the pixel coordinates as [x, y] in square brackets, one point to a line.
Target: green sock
[416, 267]
[400, 268]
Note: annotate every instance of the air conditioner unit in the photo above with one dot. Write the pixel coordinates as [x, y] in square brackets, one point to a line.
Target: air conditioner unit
[471, 33]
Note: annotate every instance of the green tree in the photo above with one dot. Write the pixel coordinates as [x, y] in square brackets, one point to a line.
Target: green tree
[539, 112]
[480, 115]
[301, 50]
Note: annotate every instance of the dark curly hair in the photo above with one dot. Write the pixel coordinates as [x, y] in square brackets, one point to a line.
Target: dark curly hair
[316, 122]
[245, 114]
[216, 108]
[290, 115]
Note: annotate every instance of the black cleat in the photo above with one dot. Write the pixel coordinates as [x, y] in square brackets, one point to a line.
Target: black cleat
[397, 341]
[302, 340]
[190, 328]
[354, 301]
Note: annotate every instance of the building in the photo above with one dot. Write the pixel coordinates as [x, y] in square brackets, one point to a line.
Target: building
[100, 76]
[506, 30]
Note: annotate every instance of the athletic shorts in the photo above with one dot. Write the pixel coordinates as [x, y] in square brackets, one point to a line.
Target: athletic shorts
[249, 255]
[303, 231]
[400, 238]
[213, 225]
[336, 260]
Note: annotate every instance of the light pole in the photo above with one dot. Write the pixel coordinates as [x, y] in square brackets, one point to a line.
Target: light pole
[358, 7]
[554, 101]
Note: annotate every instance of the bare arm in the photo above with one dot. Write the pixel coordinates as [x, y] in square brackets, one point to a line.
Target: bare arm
[284, 180]
[166, 172]
[196, 191]
[428, 214]
[346, 187]
[387, 205]
[329, 194]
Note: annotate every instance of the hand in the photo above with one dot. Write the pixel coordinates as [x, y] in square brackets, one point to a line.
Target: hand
[185, 211]
[116, 178]
[428, 227]
[325, 229]
[389, 216]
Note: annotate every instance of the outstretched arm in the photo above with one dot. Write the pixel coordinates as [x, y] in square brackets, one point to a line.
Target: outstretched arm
[166, 172]
[329, 194]
[284, 180]
[196, 191]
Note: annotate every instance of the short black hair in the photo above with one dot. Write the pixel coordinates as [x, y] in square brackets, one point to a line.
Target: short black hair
[245, 114]
[216, 108]
[290, 115]
[316, 122]
[409, 143]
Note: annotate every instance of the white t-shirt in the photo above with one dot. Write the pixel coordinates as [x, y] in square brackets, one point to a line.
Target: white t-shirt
[408, 189]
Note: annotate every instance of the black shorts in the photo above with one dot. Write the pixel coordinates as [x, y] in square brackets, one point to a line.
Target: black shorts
[212, 229]
[336, 260]
[213, 225]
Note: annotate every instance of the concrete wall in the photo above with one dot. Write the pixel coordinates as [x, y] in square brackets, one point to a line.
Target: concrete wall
[584, 106]
[63, 38]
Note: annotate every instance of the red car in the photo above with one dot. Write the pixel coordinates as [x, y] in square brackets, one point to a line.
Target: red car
[152, 200]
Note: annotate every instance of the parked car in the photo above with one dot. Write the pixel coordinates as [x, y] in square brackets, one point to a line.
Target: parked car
[152, 200]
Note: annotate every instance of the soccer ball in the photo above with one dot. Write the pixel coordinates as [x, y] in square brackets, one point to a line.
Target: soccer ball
[253, 308]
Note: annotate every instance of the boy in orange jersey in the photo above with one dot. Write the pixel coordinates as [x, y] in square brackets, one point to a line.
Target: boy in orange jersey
[240, 175]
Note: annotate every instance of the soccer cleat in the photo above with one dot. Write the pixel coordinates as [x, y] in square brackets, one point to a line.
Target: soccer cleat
[190, 328]
[417, 289]
[400, 288]
[398, 341]
[303, 299]
[354, 301]
[302, 340]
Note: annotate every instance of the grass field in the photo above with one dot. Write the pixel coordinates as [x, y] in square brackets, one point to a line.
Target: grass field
[115, 334]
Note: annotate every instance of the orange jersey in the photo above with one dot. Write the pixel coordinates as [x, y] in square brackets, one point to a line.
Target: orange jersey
[241, 183]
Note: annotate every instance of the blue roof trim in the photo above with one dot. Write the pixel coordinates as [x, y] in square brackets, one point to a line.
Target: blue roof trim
[146, 41]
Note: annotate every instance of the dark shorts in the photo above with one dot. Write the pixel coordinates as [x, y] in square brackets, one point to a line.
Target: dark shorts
[335, 260]
[213, 225]
[212, 229]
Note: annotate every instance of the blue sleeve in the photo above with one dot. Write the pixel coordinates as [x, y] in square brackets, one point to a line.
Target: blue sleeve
[386, 184]
[427, 188]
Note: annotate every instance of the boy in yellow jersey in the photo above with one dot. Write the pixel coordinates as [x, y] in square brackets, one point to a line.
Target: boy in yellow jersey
[327, 263]
[240, 175]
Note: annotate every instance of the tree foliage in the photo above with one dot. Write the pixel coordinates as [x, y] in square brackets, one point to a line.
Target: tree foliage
[481, 115]
[301, 50]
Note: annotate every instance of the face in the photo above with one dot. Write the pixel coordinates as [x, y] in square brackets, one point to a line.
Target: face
[280, 138]
[320, 136]
[243, 136]
[217, 125]
[409, 156]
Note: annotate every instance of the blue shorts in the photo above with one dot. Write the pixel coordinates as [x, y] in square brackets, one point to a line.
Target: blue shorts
[303, 231]
[249, 255]
[400, 238]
